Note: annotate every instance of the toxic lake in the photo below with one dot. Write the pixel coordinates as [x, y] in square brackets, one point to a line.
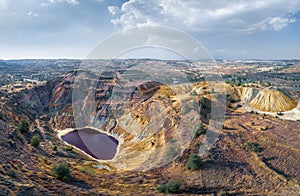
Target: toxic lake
[94, 143]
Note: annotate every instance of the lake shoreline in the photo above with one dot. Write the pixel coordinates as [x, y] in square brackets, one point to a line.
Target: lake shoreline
[64, 132]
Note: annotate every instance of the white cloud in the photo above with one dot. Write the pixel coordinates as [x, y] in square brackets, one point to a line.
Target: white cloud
[113, 10]
[73, 2]
[278, 23]
[194, 15]
[32, 14]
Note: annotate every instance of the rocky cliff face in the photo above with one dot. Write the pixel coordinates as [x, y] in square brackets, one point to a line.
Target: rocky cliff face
[30, 103]
[144, 118]
[60, 105]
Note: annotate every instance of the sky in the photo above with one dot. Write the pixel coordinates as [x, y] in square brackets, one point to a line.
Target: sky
[233, 29]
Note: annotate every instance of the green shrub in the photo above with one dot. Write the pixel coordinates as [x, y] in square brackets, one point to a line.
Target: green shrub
[91, 171]
[223, 193]
[193, 162]
[171, 152]
[54, 147]
[23, 125]
[61, 172]
[253, 147]
[170, 187]
[35, 141]
[200, 130]
[202, 102]
[10, 141]
[83, 170]
[229, 101]
[193, 93]
[12, 173]
[197, 144]
[69, 148]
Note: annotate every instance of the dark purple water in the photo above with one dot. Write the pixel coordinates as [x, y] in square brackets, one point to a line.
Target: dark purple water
[96, 144]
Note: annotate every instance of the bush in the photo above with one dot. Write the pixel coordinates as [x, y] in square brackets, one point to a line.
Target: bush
[171, 152]
[229, 100]
[202, 102]
[69, 148]
[253, 147]
[170, 187]
[193, 93]
[54, 147]
[197, 144]
[35, 141]
[200, 130]
[61, 172]
[193, 162]
[82, 170]
[91, 171]
[12, 173]
[223, 193]
[23, 125]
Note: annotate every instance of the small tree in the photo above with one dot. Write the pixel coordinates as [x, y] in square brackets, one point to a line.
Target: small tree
[35, 141]
[229, 100]
[223, 193]
[54, 147]
[254, 147]
[61, 172]
[193, 93]
[193, 162]
[69, 148]
[171, 152]
[23, 125]
[202, 102]
[200, 130]
[170, 187]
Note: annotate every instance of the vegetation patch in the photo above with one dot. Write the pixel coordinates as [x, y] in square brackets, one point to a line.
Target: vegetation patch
[61, 172]
[200, 130]
[194, 162]
[69, 148]
[54, 147]
[170, 187]
[23, 125]
[35, 141]
[254, 147]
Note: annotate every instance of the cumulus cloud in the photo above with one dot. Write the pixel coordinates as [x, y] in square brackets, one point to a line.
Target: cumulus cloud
[278, 23]
[113, 10]
[196, 15]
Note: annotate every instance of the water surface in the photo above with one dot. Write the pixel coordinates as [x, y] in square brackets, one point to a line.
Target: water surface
[96, 144]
